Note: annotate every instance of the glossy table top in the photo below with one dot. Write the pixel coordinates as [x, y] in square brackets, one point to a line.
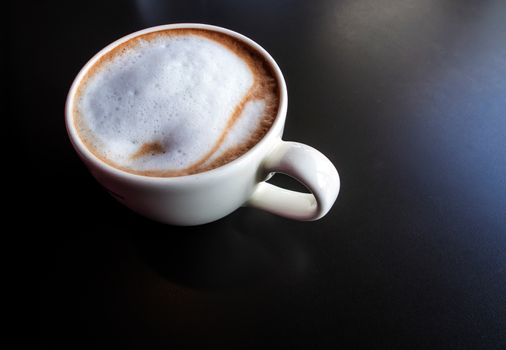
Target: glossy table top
[406, 98]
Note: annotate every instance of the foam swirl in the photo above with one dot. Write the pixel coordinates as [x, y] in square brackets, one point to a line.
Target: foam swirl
[175, 102]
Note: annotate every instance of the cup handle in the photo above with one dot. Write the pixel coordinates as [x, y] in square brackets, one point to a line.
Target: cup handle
[308, 166]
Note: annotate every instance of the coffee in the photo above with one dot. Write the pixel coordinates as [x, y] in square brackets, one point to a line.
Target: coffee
[176, 102]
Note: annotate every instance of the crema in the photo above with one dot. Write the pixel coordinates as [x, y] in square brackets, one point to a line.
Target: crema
[176, 102]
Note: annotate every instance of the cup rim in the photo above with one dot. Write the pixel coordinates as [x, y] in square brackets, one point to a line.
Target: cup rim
[275, 129]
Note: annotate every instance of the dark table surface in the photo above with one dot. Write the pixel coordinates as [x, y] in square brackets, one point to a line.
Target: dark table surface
[407, 99]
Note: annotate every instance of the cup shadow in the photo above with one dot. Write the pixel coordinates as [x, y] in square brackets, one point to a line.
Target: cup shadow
[239, 251]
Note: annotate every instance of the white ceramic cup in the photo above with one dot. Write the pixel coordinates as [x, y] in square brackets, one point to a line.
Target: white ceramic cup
[211, 195]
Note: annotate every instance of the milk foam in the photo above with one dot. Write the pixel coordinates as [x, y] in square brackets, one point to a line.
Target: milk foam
[167, 103]
[245, 126]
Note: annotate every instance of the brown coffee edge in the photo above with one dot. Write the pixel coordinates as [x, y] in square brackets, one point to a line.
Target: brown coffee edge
[265, 84]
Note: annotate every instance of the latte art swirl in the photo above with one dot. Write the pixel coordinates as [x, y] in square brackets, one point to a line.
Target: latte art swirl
[176, 102]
